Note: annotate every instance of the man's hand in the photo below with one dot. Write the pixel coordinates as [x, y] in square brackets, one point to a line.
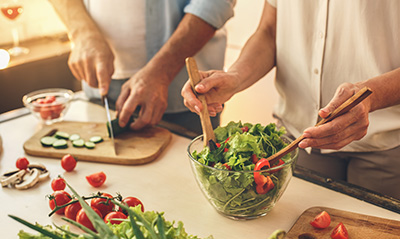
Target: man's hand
[92, 60]
[342, 130]
[146, 89]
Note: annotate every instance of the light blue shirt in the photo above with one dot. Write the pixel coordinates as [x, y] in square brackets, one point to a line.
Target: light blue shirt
[163, 17]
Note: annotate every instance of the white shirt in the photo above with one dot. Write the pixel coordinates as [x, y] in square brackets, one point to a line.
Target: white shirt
[124, 26]
[321, 44]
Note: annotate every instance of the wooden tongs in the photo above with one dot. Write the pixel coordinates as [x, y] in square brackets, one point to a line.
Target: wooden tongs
[194, 76]
[343, 108]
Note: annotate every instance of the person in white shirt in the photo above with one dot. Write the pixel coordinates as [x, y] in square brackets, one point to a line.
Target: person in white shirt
[324, 52]
[134, 51]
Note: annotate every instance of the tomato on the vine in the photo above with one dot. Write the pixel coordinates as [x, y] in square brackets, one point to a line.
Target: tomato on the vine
[71, 210]
[322, 220]
[102, 204]
[83, 219]
[114, 215]
[68, 162]
[131, 202]
[96, 179]
[58, 184]
[60, 198]
[340, 232]
[22, 163]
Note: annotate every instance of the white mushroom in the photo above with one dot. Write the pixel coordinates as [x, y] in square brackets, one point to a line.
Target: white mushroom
[29, 179]
[12, 177]
[43, 172]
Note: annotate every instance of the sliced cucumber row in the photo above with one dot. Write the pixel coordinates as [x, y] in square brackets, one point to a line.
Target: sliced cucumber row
[59, 141]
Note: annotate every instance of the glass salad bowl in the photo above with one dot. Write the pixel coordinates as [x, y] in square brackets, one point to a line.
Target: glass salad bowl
[48, 105]
[236, 193]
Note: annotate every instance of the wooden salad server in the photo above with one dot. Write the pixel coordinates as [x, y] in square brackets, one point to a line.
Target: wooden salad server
[343, 108]
[194, 76]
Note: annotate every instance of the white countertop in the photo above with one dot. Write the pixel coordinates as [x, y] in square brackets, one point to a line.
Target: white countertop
[166, 184]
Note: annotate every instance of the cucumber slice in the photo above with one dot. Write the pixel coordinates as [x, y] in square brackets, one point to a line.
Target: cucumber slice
[116, 128]
[47, 141]
[60, 144]
[79, 143]
[90, 145]
[74, 137]
[61, 135]
[96, 139]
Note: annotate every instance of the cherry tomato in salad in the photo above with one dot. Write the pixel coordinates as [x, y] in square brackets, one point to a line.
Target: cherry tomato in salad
[263, 183]
[245, 129]
[340, 232]
[131, 202]
[83, 219]
[45, 112]
[58, 184]
[60, 198]
[254, 158]
[102, 204]
[71, 210]
[96, 179]
[68, 163]
[114, 215]
[322, 220]
[22, 163]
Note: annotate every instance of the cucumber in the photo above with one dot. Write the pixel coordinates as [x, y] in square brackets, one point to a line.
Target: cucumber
[96, 139]
[60, 144]
[90, 145]
[118, 129]
[74, 137]
[47, 141]
[79, 143]
[61, 135]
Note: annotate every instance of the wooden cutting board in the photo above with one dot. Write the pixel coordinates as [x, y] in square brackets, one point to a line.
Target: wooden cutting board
[133, 147]
[359, 226]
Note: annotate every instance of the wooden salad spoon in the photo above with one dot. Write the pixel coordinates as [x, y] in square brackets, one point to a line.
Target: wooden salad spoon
[343, 108]
[194, 76]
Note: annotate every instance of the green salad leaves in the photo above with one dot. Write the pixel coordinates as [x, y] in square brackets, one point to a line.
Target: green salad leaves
[229, 182]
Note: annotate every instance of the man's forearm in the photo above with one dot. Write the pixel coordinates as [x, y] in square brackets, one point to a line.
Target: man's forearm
[190, 36]
[75, 17]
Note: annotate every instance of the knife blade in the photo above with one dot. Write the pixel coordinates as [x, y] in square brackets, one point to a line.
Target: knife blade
[107, 107]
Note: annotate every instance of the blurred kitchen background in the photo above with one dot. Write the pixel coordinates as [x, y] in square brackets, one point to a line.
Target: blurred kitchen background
[45, 66]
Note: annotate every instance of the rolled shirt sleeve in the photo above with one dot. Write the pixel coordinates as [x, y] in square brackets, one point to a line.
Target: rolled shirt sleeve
[214, 12]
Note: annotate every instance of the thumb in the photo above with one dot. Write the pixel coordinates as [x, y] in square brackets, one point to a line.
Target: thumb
[341, 95]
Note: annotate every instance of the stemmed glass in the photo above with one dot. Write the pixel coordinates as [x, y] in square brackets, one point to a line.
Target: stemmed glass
[11, 9]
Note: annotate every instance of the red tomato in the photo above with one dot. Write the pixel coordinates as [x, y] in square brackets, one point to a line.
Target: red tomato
[45, 112]
[56, 110]
[131, 202]
[68, 162]
[280, 162]
[245, 129]
[322, 220]
[58, 184]
[340, 232]
[102, 205]
[83, 219]
[113, 215]
[49, 99]
[22, 163]
[71, 210]
[254, 158]
[60, 198]
[96, 179]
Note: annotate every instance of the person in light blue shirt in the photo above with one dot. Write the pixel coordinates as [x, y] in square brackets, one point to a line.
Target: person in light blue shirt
[134, 51]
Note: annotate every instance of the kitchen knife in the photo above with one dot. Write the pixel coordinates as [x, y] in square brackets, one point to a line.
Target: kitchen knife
[107, 107]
